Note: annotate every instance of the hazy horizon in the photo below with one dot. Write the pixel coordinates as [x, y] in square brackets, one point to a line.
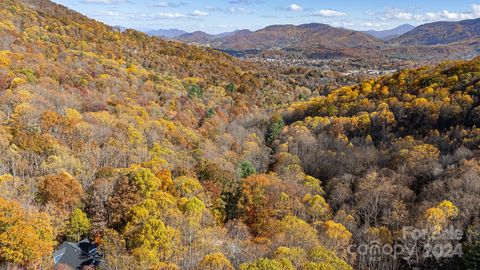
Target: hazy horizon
[216, 17]
[254, 29]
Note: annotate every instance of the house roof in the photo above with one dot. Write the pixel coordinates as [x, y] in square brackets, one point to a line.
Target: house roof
[76, 255]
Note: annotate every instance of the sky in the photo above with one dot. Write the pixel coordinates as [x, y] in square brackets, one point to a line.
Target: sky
[217, 16]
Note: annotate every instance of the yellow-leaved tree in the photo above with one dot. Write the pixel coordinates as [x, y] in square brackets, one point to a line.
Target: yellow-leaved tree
[78, 226]
[26, 237]
[215, 261]
[324, 259]
[438, 217]
[334, 235]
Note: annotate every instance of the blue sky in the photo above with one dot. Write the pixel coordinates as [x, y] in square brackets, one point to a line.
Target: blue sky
[216, 16]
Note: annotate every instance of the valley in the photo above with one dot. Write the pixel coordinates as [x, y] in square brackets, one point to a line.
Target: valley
[320, 41]
[293, 147]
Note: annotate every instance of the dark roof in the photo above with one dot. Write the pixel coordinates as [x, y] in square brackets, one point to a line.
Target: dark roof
[76, 255]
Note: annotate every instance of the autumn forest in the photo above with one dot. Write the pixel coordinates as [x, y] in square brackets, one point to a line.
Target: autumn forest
[170, 156]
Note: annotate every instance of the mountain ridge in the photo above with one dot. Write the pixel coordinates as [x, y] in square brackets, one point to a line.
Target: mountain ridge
[441, 33]
[323, 39]
[167, 33]
[389, 34]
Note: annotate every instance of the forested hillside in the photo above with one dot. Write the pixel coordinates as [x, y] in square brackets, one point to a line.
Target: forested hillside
[314, 40]
[388, 150]
[441, 33]
[177, 157]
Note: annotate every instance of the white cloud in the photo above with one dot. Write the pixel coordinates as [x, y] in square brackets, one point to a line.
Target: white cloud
[329, 13]
[170, 15]
[109, 13]
[238, 10]
[343, 24]
[199, 13]
[157, 16]
[169, 4]
[161, 4]
[404, 16]
[374, 24]
[399, 14]
[295, 7]
[445, 14]
[428, 16]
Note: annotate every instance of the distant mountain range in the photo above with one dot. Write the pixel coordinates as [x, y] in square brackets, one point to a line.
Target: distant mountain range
[391, 33]
[319, 40]
[439, 40]
[313, 35]
[200, 37]
[197, 36]
[167, 33]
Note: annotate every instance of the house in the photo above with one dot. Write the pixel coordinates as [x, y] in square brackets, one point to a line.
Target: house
[77, 255]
